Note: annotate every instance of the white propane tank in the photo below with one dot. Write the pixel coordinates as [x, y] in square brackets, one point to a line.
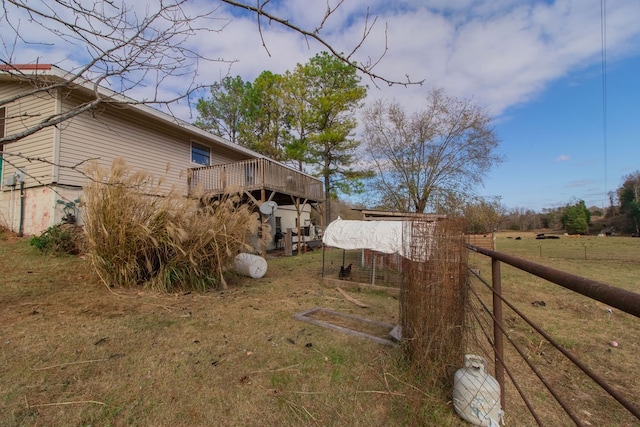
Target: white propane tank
[250, 265]
[476, 394]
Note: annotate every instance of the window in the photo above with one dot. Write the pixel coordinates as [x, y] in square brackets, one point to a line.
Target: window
[200, 154]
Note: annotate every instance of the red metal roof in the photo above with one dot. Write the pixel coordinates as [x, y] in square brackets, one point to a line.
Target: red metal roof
[25, 67]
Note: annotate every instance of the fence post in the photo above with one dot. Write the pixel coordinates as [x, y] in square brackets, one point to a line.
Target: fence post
[497, 326]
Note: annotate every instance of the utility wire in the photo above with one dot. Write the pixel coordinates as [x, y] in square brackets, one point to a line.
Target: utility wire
[603, 36]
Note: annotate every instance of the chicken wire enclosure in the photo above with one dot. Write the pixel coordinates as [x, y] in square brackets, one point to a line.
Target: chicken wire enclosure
[424, 258]
[363, 266]
[375, 252]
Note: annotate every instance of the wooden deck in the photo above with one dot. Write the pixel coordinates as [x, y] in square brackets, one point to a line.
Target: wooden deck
[256, 176]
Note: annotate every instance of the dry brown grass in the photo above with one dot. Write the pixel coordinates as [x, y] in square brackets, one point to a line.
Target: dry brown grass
[137, 236]
[76, 353]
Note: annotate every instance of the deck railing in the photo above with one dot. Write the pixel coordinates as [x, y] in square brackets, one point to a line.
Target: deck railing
[255, 174]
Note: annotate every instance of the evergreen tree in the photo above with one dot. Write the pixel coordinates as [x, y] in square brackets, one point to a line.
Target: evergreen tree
[264, 128]
[226, 110]
[575, 218]
[306, 116]
[629, 196]
[329, 92]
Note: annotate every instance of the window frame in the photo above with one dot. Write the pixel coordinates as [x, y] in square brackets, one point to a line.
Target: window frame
[195, 147]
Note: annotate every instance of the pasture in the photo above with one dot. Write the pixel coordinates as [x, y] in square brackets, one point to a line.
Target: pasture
[583, 326]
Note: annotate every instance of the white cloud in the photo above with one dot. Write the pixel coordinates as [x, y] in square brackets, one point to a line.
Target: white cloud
[562, 158]
[501, 53]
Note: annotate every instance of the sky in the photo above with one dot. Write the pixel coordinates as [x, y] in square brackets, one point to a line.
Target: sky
[566, 112]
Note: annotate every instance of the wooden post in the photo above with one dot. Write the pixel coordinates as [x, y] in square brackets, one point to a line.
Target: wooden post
[297, 205]
[223, 178]
[373, 268]
[263, 197]
[288, 244]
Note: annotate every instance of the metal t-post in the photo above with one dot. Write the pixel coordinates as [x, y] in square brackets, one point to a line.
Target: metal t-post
[497, 326]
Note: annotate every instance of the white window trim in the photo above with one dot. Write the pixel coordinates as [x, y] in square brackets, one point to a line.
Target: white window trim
[191, 153]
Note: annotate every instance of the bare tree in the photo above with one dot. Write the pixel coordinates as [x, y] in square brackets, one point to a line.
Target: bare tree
[367, 67]
[424, 159]
[119, 48]
[125, 48]
[483, 215]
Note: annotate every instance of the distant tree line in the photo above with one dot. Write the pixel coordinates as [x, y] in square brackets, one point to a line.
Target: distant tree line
[624, 212]
[622, 216]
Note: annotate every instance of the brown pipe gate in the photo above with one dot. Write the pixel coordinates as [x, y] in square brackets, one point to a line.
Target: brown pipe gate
[623, 300]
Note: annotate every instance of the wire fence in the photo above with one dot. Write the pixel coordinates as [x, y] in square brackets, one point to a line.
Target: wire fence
[433, 299]
[363, 266]
[573, 248]
[549, 373]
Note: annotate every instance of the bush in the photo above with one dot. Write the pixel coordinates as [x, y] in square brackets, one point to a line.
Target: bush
[166, 242]
[60, 239]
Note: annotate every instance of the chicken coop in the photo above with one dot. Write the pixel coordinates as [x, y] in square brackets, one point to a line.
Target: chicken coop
[363, 266]
[374, 251]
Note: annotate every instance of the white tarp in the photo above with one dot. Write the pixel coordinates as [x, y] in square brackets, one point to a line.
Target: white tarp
[383, 236]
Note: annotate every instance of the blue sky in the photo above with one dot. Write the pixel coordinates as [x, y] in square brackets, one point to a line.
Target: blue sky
[536, 65]
[555, 145]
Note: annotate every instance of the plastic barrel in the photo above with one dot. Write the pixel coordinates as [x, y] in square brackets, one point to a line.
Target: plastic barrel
[251, 265]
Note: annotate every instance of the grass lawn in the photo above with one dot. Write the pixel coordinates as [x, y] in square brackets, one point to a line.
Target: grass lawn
[76, 353]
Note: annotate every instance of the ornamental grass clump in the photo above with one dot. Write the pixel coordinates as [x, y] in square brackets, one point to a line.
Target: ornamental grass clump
[138, 235]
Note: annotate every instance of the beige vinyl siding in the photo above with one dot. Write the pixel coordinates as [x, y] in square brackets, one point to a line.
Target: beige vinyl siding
[220, 155]
[145, 143]
[21, 115]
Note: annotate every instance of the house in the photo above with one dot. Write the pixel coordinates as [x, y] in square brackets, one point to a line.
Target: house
[41, 179]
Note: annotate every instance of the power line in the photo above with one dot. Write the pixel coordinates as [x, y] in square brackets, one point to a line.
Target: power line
[603, 36]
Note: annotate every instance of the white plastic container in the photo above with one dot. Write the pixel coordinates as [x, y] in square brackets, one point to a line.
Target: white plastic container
[250, 265]
[476, 394]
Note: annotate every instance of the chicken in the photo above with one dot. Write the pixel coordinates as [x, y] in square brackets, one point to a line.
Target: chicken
[345, 271]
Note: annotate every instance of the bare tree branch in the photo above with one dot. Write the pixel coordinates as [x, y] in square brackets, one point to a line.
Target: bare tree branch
[75, 167]
[426, 157]
[366, 69]
[327, 14]
[121, 47]
[6, 157]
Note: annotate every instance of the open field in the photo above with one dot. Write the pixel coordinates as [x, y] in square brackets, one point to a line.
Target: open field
[583, 326]
[76, 353]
